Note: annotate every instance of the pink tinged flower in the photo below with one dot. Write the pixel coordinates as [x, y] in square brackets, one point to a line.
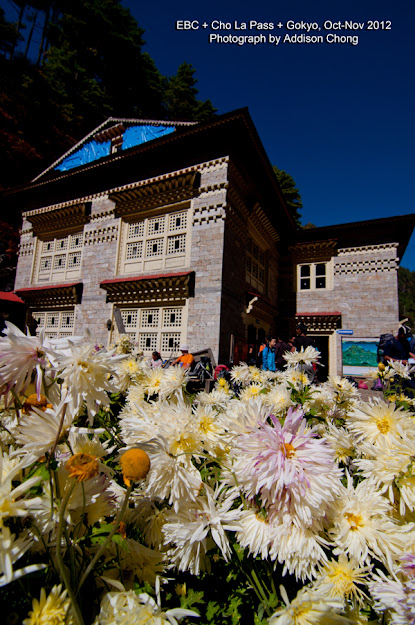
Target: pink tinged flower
[288, 467]
[20, 356]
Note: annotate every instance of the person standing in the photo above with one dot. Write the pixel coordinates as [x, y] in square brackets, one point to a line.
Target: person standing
[268, 356]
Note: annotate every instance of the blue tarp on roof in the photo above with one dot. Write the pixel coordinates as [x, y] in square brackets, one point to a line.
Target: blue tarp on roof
[88, 153]
[136, 135]
[92, 151]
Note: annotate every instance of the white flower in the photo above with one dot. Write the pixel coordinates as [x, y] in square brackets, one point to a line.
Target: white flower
[196, 527]
[394, 596]
[376, 420]
[279, 398]
[362, 527]
[128, 608]
[309, 608]
[11, 550]
[39, 430]
[398, 368]
[87, 374]
[343, 578]
[287, 467]
[305, 356]
[20, 356]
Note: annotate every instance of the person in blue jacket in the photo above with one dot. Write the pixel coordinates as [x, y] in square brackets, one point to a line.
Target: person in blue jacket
[268, 356]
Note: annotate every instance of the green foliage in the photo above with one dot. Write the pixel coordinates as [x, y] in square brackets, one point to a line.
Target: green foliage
[290, 193]
[406, 290]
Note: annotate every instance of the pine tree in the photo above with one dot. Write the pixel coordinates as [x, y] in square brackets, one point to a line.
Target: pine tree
[290, 192]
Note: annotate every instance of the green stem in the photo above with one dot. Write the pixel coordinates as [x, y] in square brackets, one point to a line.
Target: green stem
[62, 569]
[108, 539]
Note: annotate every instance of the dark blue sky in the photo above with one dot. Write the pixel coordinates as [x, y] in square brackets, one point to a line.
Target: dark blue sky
[338, 117]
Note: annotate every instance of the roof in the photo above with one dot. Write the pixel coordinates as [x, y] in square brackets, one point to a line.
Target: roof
[397, 229]
[230, 135]
[8, 296]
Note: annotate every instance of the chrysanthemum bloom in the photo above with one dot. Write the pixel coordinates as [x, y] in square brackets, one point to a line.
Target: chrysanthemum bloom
[361, 525]
[196, 527]
[37, 431]
[253, 390]
[82, 467]
[242, 374]
[389, 465]
[152, 381]
[287, 466]
[136, 561]
[135, 464]
[173, 381]
[403, 371]
[128, 608]
[279, 398]
[309, 608]
[341, 442]
[129, 372]
[305, 356]
[394, 596]
[34, 401]
[342, 579]
[20, 356]
[51, 609]
[87, 374]
[377, 420]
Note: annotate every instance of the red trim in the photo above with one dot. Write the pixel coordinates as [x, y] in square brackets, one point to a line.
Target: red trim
[318, 314]
[47, 287]
[154, 276]
[8, 296]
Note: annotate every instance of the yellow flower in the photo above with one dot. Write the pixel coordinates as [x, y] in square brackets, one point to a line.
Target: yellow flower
[82, 466]
[51, 610]
[135, 465]
[381, 366]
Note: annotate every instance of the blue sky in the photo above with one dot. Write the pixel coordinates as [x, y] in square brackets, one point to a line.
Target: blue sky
[338, 117]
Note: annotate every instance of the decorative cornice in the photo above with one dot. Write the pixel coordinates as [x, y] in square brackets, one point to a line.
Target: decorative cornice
[26, 249]
[374, 265]
[60, 220]
[206, 214]
[368, 249]
[320, 321]
[58, 295]
[140, 198]
[150, 288]
[314, 250]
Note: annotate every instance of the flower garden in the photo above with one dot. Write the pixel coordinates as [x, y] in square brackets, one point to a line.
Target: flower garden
[126, 499]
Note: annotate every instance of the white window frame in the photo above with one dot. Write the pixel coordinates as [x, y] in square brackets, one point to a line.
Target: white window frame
[55, 258]
[156, 243]
[156, 328]
[314, 277]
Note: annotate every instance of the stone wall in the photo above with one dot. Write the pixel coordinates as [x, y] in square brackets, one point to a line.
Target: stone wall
[365, 291]
[99, 258]
[206, 258]
[26, 256]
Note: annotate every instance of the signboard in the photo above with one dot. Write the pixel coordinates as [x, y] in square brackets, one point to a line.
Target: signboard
[344, 332]
[359, 355]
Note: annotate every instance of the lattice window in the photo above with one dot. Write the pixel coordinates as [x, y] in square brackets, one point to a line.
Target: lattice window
[74, 259]
[155, 226]
[161, 329]
[156, 243]
[130, 318]
[45, 263]
[154, 247]
[56, 323]
[150, 318]
[176, 244]
[59, 262]
[177, 221]
[40, 319]
[134, 250]
[136, 230]
[60, 258]
[147, 341]
[172, 317]
[61, 245]
[48, 246]
[170, 341]
[76, 241]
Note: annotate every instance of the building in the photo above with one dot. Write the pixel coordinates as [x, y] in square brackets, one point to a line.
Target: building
[177, 232]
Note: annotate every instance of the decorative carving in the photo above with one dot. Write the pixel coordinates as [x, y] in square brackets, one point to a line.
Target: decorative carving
[314, 251]
[52, 296]
[207, 214]
[320, 322]
[150, 288]
[101, 235]
[375, 265]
